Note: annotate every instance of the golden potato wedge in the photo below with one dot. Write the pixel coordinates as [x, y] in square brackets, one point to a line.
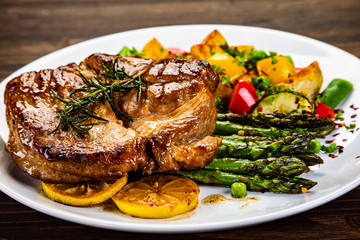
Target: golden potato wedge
[307, 81]
[241, 48]
[278, 69]
[214, 38]
[228, 63]
[246, 77]
[204, 51]
[153, 49]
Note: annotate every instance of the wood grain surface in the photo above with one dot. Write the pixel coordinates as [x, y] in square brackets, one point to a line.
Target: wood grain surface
[30, 29]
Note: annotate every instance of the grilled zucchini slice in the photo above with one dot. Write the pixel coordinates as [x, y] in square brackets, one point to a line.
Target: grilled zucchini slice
[285, 102]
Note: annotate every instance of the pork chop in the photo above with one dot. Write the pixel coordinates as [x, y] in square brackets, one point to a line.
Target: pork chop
[169, 132]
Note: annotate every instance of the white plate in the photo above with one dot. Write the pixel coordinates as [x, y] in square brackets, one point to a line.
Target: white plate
[335, 177]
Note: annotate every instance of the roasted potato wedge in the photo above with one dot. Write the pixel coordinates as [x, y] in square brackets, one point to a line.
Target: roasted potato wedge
[228, 63]
[241, 48]
[214, 38]
[153, 49]
[204, 51]
[278, 69]
[307, 81]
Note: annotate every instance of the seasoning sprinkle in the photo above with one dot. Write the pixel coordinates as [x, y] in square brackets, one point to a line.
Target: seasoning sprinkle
[353, 107]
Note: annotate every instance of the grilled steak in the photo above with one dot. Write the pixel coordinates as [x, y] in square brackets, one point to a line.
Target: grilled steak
[169, 132]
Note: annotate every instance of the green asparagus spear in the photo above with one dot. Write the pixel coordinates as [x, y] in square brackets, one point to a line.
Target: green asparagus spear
[283, 166]
[254, 183]
[229, 128]
[259, 149]
[310, 159]
[278, 120]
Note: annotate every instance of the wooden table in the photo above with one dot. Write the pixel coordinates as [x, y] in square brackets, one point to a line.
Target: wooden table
[31, 29]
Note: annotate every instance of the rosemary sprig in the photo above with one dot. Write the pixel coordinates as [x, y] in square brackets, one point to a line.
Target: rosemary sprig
[77, 111]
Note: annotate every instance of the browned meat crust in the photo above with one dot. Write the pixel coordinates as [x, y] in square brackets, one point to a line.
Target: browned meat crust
[169, 132]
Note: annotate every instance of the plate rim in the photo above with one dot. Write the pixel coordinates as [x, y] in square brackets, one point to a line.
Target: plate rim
[177, 228]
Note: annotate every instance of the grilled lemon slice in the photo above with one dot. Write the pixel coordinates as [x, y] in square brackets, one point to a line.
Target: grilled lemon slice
[158, 196]
[83, 194]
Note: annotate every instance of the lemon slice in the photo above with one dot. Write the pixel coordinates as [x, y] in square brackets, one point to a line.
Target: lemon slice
[83, 194]
[158, 196]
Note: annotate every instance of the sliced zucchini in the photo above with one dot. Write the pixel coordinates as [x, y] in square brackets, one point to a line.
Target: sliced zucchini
[284, 102]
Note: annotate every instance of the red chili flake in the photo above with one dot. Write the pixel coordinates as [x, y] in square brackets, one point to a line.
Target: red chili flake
[336, 134]
[260, 109]
[333, 156]
[344, 140]
[357, 129]
[297, 100]
[357, 157]
[353, 107]
[341, 149]
[330, 141]
[352, 131]
[341, 125]
[353, 116]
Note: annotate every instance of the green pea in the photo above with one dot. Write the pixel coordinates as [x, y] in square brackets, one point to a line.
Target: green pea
[314, 146]
[238, 189]
[335, 92]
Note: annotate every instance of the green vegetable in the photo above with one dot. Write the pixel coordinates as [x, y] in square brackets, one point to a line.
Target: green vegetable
[125, 51]
[229, 128]
[238, 189]
[329, 149]
[278, 120]
[251, 149]
[335, 92]
[310, 159]
[284, 102]
[314, 146]
[272, 167]
[253, 183]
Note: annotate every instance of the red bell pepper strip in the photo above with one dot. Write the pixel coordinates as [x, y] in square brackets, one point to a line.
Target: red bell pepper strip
[243, 98]
[324, 111]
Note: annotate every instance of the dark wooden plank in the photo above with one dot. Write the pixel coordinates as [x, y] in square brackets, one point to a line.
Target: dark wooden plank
[30, 29]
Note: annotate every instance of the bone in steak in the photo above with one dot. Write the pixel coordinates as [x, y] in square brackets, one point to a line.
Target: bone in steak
[170, 131]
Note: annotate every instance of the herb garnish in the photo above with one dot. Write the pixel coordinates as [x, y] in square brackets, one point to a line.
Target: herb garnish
[77, 111]
[351, 126]
[222, 75]
[264, 86]
[330, 148]
[248, 57]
